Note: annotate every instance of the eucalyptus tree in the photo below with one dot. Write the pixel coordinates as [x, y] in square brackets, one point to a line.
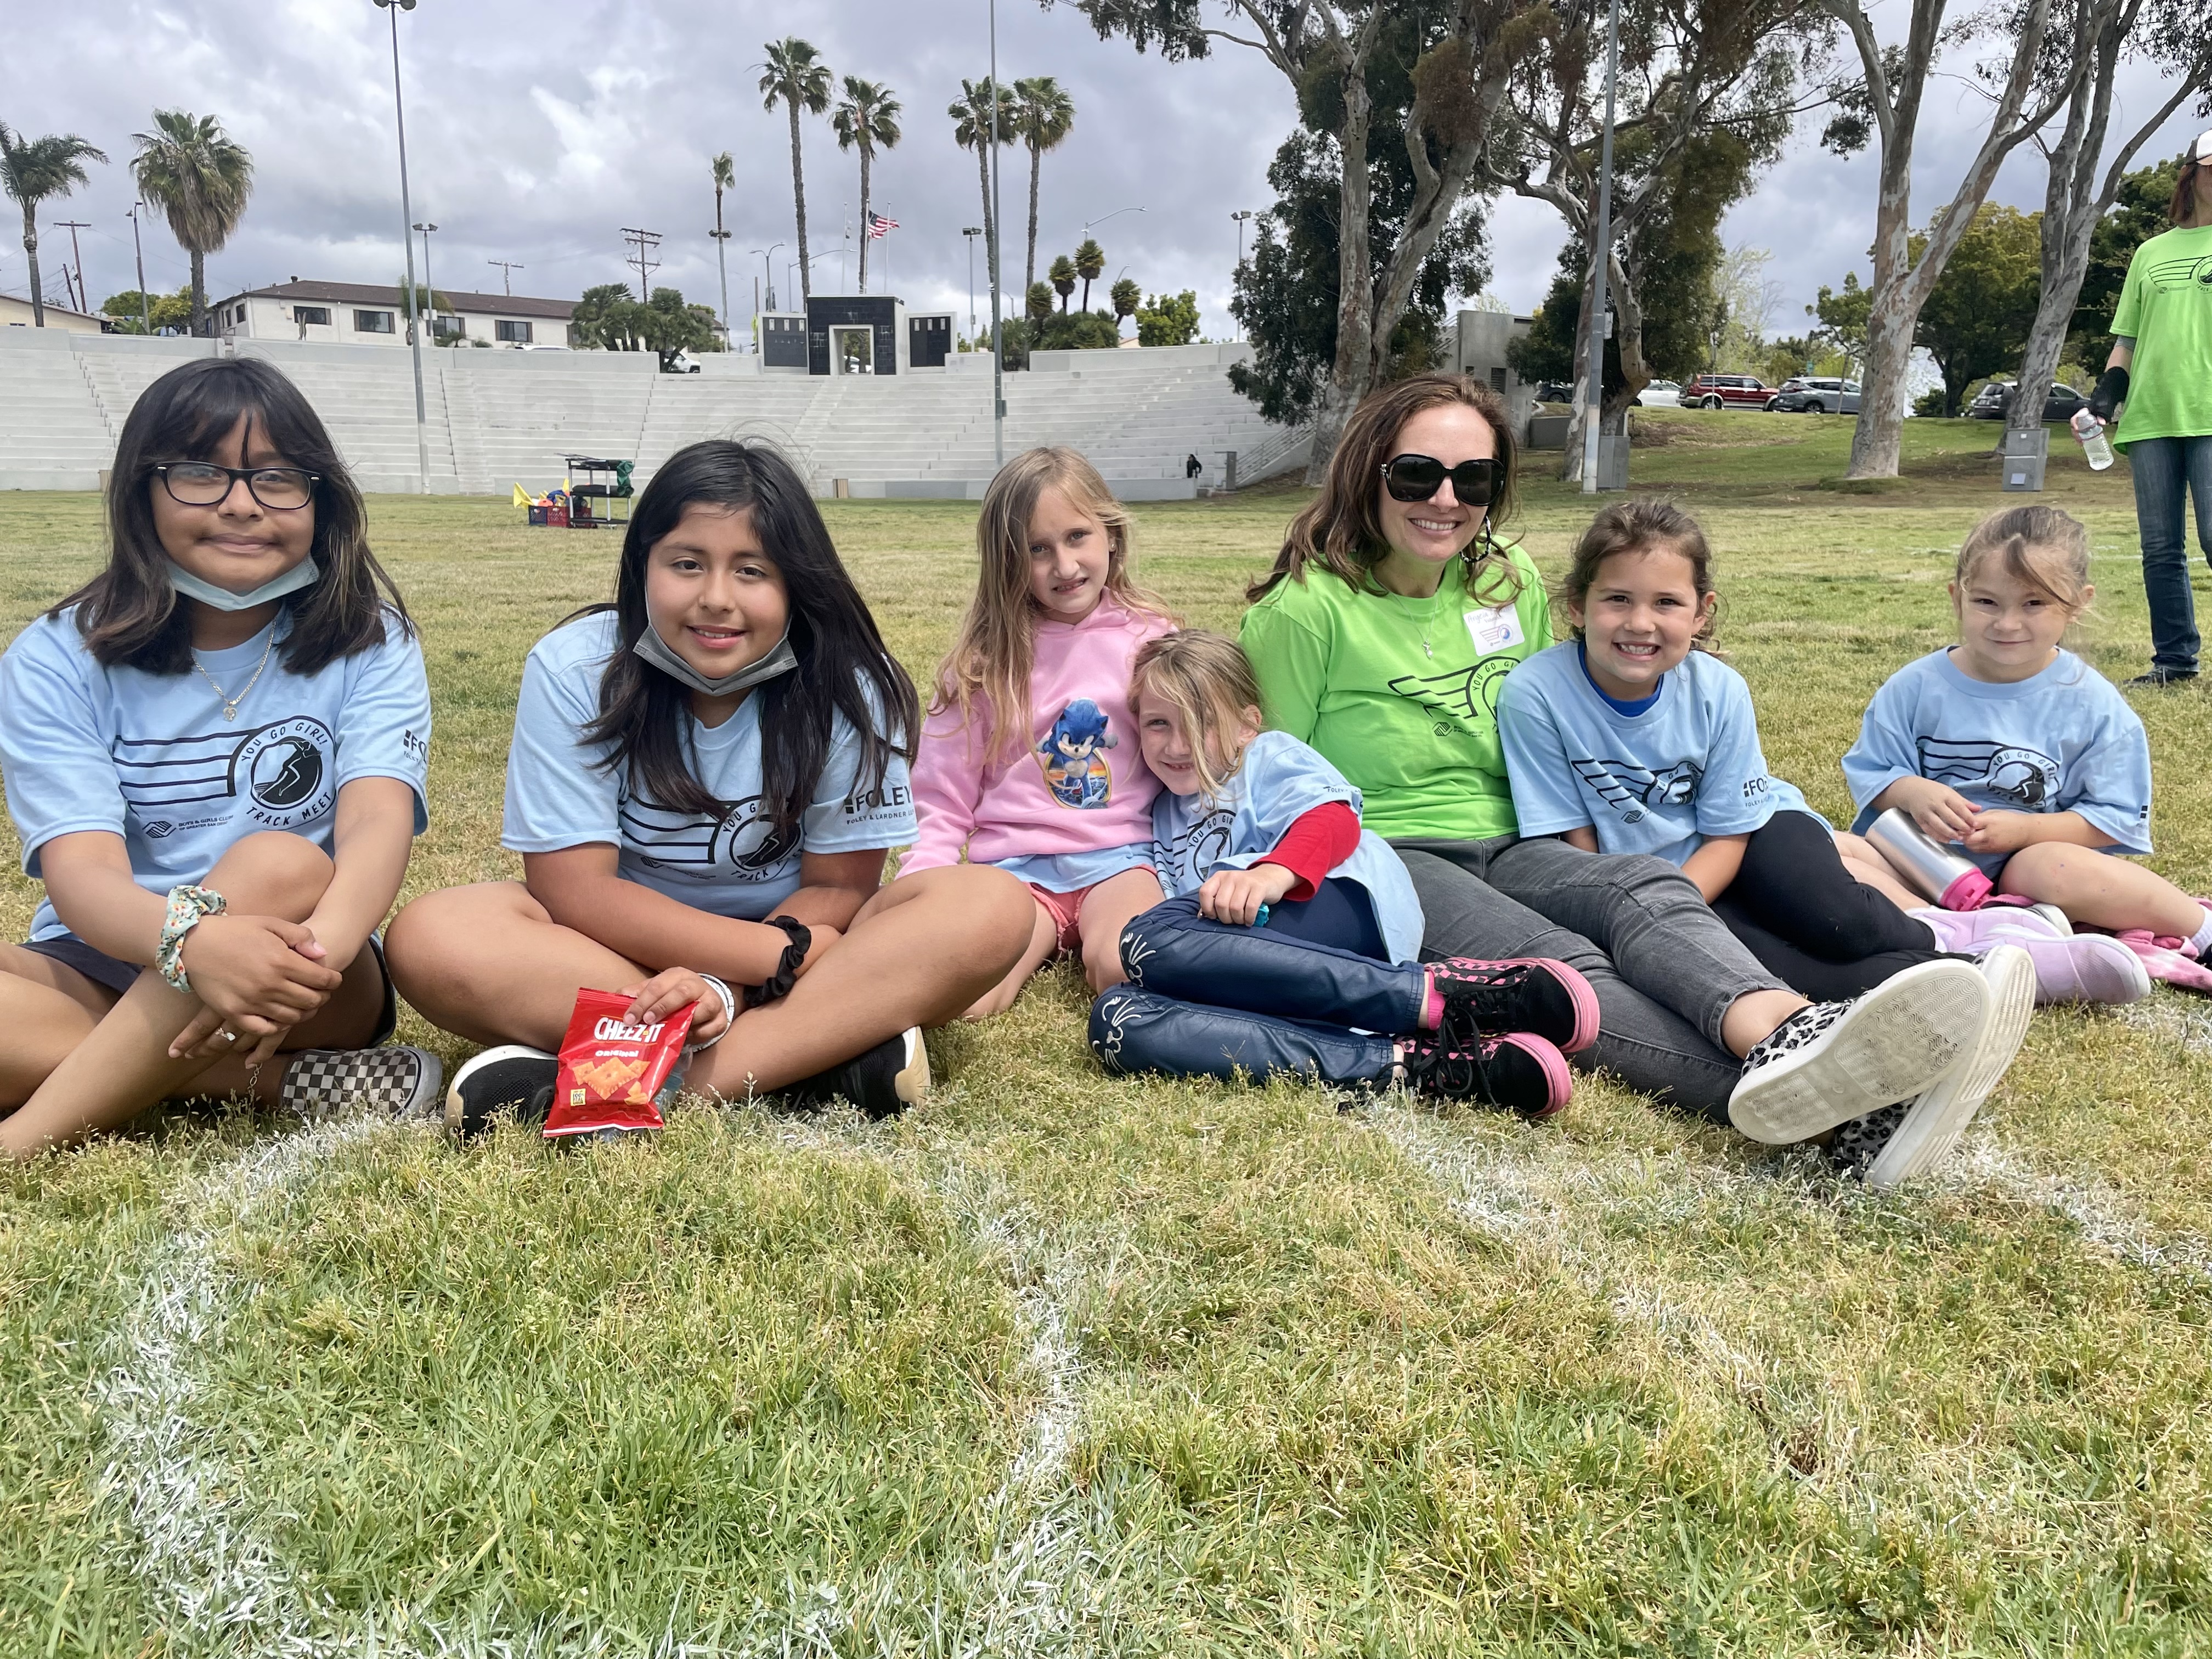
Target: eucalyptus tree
[867, 119]
[2089, 42]
[200, 179]
[1044, 116]
[34, 170]
[795, 76]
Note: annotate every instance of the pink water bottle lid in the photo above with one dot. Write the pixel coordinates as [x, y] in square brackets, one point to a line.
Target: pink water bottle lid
[1969, 892]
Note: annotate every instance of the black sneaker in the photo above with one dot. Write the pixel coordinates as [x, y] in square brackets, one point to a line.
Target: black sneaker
[1521, 1073]
[321, 1083]
[1834, 1062]
[888, 1079]
[2158, 676]
[1521, 994]
[514, 1078]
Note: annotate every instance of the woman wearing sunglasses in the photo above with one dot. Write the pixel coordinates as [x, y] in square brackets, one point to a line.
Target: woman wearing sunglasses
[1381, 638]
[215, 754]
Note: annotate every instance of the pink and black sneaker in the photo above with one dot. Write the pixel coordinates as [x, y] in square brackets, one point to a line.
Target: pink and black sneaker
[1518, 1073]
[1533, 994]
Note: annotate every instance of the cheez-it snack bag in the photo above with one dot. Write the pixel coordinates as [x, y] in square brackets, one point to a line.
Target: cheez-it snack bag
[610, 1070]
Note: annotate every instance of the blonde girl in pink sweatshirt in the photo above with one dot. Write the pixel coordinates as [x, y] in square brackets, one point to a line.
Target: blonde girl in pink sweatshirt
[1030, 759]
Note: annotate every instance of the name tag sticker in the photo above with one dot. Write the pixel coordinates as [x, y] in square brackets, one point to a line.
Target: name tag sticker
[1493, 628]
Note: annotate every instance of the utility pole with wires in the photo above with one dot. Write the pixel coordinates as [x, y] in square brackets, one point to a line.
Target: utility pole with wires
[73, 226]
[506, 270]
[647, 244]
[138, 248]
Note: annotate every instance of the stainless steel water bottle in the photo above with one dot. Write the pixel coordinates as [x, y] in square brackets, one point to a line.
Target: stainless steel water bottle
[1926, 865]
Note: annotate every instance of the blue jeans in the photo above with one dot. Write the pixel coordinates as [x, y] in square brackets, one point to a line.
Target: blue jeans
[1207, 1000]
[2163, 469]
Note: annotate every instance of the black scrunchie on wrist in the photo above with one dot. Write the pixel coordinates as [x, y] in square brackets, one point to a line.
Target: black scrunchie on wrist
[786, 968]
[2111, 392]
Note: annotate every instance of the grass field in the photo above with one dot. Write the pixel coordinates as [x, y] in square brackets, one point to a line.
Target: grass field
[1055, 1365]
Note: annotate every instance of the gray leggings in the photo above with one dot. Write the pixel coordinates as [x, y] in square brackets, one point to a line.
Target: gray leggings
[1664, 967]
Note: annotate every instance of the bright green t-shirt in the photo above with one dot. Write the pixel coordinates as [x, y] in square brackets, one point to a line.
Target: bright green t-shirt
[1401, 695]
[2166, 304]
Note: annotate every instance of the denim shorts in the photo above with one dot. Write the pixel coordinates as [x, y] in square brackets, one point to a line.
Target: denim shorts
[118, 976]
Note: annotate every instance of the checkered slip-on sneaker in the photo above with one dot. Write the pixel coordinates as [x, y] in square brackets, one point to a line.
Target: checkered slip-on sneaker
[323, 1083]
[1834, 1062]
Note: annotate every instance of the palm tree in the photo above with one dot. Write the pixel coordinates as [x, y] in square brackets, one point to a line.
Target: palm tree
[726, 178]
[1091, 265]
[795, 74]
[973, 121]
[1045, 115]
[1126, 296]
[867, 120]
[1062, 278]
[188, 167]
[34, 169]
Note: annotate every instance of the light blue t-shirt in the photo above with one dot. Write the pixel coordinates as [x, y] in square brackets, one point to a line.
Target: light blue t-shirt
[1070, 873]
[2060, 741]
[1277, 782]
[559, 796]
[1660, 781]
[151, 758]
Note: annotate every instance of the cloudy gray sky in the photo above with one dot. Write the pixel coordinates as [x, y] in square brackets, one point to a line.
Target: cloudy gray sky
[537, 129]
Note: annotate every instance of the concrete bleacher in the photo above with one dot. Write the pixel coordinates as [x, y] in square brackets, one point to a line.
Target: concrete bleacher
[498, 418]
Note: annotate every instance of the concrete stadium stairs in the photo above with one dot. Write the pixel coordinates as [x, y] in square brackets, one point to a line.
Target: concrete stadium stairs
[498, 418]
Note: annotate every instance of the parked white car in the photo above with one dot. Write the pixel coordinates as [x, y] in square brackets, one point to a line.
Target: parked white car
[1660, 394]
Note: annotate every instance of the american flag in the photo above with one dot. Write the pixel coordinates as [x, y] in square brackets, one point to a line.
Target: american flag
[881, 225]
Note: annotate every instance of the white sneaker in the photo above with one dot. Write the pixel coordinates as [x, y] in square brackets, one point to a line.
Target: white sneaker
[1924, 1134]
[1835, 1061]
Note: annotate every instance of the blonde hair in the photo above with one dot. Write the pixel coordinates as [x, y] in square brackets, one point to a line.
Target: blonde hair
[995, 652]
[2042, 546]
[1208, 680]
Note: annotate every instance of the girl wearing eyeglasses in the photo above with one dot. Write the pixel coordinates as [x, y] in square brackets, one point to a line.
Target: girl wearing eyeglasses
[215, 754]
[1381, 637]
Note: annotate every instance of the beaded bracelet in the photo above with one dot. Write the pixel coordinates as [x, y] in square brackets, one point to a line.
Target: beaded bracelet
[187, 907]
[786, 969]
[729, 1013]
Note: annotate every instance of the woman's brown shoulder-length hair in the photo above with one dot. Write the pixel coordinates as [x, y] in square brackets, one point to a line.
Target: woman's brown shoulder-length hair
[128, 613]
[1340, 529]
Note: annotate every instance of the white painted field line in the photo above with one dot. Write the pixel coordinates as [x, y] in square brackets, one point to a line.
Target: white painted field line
[2100, 1214]
[219, 1585]
[2186, 1024]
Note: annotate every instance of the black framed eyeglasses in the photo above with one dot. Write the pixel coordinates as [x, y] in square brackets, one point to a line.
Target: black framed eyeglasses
[1417, 478]
[203, 483]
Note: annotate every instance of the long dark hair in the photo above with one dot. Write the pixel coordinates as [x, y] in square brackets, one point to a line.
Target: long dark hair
[843, 666]
[2188, 180]
[128, 613]
[1341, 530]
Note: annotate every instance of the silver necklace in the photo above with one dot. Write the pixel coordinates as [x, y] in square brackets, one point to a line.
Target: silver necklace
[230, 703]
[1424, 623]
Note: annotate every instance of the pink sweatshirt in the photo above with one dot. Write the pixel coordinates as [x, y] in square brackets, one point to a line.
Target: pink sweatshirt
[1082, 787]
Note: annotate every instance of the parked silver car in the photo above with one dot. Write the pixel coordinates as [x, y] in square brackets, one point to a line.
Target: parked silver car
[1816, 394]
[1660, 394]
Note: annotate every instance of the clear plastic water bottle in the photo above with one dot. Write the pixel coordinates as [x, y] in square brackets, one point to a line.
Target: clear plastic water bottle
[2096, 447]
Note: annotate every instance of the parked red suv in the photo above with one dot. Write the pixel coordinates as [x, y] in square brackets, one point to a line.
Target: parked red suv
[1727, 391]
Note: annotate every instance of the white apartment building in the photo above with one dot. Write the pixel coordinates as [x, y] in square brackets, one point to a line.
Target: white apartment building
[359, 313]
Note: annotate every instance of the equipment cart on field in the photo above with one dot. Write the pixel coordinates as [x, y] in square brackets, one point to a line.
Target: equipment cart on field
[598, 492]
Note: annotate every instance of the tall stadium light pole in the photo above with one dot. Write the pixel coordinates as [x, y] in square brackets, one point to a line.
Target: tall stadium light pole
[145, 309]
[429, 282]
[998, 235]
[407, 242]
[768, 269]
[1600, 318]
[1240, 216]
[972, 232]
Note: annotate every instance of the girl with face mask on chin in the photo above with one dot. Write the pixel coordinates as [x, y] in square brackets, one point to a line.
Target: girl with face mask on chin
[1382, 638]
[215, 754]
[705, 778]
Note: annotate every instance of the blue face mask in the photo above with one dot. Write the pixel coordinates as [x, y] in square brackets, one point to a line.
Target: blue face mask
[302, 574]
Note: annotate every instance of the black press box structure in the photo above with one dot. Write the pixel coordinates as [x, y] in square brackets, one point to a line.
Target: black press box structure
[854, 334]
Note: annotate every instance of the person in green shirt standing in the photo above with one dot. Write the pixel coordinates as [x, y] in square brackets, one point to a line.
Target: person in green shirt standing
[2160, 378]
[1381, 637]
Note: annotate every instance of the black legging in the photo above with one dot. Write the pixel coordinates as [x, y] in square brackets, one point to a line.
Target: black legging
[1810, 921]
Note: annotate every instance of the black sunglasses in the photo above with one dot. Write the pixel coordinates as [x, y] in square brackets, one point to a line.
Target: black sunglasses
[203, 483]
[1417, 478]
